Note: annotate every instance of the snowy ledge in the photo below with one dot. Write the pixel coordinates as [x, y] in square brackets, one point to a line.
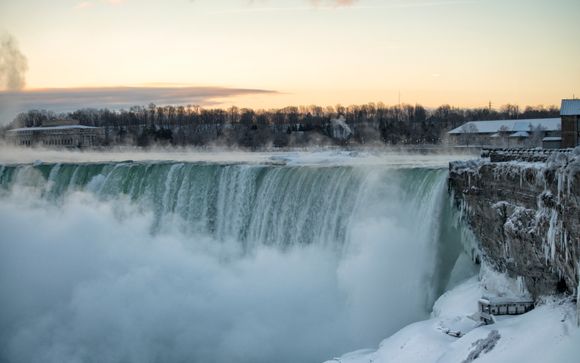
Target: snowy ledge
[546, 334]
[522, 159]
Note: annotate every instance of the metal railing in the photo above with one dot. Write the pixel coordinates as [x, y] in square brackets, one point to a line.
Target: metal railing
[530, 155]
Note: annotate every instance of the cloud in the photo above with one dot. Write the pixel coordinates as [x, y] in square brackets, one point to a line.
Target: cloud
[331, 5]
[333, 2]
[84, 5]
[68, 99]
[92, 4]
[13, 64]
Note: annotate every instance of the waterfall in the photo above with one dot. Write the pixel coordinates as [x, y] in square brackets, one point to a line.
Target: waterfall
[360, 251]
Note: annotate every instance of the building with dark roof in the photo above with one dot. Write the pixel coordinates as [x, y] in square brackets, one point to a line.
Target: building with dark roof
[570, 114]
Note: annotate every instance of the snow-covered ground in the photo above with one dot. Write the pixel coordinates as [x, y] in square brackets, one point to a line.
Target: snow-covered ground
[546, 334]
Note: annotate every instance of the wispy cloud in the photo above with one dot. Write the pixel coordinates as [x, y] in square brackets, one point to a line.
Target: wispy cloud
[68, 99]
[91, 4]
[315, 2]
[84, 5]
[333, 2]
[347, 4]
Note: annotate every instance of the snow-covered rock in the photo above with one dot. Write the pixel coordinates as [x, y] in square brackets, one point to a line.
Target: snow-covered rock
[546, 334]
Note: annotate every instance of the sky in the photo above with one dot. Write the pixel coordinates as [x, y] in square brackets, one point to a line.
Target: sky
[274, 53]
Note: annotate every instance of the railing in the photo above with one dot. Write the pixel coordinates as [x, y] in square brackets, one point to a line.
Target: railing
[529, 155]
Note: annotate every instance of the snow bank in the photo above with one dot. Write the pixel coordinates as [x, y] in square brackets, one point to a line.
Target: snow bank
[546, 334]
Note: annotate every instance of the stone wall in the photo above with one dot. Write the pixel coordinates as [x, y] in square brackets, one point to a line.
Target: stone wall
[526, 216]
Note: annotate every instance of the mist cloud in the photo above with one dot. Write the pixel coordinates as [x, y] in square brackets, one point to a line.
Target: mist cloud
[13, 64]
[114, 293]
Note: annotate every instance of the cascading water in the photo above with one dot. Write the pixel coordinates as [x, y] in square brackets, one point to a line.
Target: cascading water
[200, 262]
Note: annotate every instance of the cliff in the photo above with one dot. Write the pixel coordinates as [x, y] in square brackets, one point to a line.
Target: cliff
[526, 215]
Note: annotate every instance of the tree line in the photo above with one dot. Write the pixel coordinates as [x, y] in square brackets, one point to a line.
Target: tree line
[289, 126]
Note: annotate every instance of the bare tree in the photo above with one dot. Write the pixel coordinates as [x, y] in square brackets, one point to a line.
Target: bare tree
[536, 135]
[504, 132]
[469, 132]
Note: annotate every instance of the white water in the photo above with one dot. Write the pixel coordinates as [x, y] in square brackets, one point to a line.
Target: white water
[180, 262]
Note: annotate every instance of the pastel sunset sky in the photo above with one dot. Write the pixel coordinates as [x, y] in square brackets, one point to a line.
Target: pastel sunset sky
[273, 53]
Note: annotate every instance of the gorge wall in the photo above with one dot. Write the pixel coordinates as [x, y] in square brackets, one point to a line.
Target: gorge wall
[525, 210]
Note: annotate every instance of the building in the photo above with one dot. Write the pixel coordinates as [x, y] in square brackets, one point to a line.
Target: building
[570, 114]
[58, 133]
[489, 306]
[506, 133]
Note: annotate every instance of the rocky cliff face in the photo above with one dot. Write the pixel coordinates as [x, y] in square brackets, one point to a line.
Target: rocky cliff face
[526, 216]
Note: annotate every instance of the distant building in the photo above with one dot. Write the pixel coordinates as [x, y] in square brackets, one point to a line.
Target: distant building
[570, 114]
[506, 133]
[57, 133]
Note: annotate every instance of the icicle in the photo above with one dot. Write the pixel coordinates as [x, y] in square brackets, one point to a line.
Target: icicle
[551, 235]
[560, 185]
[578, 297]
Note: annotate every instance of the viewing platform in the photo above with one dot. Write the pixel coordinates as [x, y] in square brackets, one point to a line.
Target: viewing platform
[490, 306]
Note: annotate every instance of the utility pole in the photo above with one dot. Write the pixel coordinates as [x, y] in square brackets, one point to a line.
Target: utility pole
[399, 108]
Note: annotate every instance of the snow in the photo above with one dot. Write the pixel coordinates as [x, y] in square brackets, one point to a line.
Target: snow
[520, 134]
[471, 165]
[490, 127]
[548, 333]
[570, 107]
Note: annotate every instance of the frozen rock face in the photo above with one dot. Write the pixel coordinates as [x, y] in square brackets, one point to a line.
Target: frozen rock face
[526, 216]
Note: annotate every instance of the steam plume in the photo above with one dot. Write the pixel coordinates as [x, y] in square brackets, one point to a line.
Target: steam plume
[13, 64]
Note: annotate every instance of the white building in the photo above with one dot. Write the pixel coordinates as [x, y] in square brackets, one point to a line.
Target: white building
[507, 133]
[68, 135]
